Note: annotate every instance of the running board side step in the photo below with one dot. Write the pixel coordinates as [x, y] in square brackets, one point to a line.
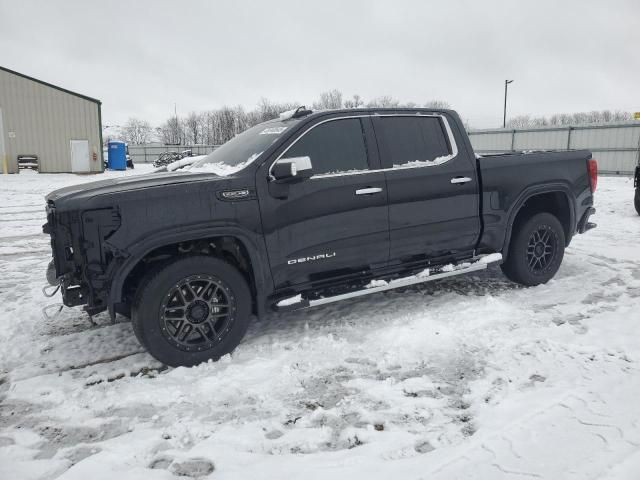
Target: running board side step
[476, 264]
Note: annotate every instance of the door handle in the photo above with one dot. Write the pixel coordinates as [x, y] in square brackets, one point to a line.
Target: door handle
[460, 180]
[368, 191]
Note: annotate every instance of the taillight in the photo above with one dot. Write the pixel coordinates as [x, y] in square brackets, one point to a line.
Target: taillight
[592, 166]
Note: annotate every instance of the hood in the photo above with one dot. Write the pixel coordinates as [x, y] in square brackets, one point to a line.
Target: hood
[86, 191]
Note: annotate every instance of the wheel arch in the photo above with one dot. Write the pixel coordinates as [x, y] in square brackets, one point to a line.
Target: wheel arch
[260, 281]
[556, 199]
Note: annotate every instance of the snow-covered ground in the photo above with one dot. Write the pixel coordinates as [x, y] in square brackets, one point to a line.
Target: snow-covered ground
[472, 377]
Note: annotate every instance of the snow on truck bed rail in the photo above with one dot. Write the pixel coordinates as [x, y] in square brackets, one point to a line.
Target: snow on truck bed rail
[468, 377]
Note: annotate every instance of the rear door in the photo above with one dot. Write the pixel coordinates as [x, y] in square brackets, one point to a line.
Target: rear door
[432, 188]
[334, 224]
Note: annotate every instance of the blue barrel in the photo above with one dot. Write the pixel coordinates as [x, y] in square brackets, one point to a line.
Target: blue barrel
[116, 156]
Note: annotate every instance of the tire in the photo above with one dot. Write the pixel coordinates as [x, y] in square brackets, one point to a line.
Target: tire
[636, 199]
[536, 250]
[192, 310]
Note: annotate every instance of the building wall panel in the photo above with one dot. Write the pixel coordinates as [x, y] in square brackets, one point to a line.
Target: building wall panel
[492, 141]
[546, 140]
[43, 120]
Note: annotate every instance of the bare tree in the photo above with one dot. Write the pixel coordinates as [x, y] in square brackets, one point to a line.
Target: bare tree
[193, 129]
[208, 124]
[437, 104]
[136, 131]
[170, 132]
[520, 121]
[355, 102]
[383, 102]
[330, 100]
[267, 110]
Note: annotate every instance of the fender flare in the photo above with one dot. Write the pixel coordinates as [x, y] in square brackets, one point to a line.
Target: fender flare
[250, 241]
[530, 192]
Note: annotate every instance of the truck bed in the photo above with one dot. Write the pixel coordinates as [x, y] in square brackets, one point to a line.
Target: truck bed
[506, 178]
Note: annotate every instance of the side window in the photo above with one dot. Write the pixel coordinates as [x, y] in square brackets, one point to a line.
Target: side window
[337, 146]
[414, 141]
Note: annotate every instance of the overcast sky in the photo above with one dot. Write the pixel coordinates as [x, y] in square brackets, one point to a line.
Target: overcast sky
[139, 58]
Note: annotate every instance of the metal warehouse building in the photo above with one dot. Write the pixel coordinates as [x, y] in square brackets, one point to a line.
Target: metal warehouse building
[60, 127]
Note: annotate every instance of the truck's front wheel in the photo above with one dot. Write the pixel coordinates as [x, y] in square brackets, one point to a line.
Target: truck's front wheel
[636, 199]
[535, 251]
[193, 309]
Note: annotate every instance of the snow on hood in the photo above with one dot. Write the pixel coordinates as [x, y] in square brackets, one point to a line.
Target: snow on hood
[222, 169]
[218, 168]
[184, 162]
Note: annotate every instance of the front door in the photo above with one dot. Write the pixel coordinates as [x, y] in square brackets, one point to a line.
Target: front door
[334, 224]
[80, 161]
[433, 188]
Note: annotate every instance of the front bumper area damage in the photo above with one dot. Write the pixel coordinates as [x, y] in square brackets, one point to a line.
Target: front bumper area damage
[81, 256]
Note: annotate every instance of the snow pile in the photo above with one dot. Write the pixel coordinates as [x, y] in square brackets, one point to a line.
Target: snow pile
[286, 115]
[376, 283]
[468, 377]
[290, 301]
[493, 257]
[424, 273]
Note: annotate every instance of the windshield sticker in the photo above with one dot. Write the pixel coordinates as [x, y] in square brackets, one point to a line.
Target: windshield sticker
[273, 130]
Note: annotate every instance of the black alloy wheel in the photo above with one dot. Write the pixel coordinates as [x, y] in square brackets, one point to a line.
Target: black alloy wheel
[541, 249]
[197, 312]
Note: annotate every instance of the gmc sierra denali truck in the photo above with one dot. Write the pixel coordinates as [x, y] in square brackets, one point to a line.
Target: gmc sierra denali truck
[304, 210]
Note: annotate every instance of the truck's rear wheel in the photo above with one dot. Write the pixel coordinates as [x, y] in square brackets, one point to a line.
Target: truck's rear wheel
[535, 251]
[636, 199]
[193, 309]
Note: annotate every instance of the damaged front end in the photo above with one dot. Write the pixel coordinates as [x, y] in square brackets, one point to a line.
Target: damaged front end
[82, 258]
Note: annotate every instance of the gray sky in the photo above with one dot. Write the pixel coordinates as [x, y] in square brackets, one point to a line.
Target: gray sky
[140, 57]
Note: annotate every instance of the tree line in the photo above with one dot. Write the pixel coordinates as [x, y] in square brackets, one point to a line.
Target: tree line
[215, 127]
[566, 119]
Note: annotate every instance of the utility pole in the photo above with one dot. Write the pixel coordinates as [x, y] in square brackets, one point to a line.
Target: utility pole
[504, 117]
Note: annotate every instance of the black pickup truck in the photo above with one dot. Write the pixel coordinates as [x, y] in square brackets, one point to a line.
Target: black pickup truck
[307, 209]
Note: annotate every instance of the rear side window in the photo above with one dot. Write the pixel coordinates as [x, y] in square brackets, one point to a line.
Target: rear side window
[337, 146]
[414, 141]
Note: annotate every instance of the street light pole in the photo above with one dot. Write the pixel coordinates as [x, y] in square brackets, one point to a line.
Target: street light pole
[504, 118]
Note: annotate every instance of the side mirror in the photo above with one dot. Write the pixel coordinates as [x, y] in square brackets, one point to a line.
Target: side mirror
[292, 169]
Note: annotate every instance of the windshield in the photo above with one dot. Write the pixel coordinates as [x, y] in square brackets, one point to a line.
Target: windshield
[242, 149]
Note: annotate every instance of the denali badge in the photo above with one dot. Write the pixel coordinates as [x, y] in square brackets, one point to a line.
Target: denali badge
[320, 256]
